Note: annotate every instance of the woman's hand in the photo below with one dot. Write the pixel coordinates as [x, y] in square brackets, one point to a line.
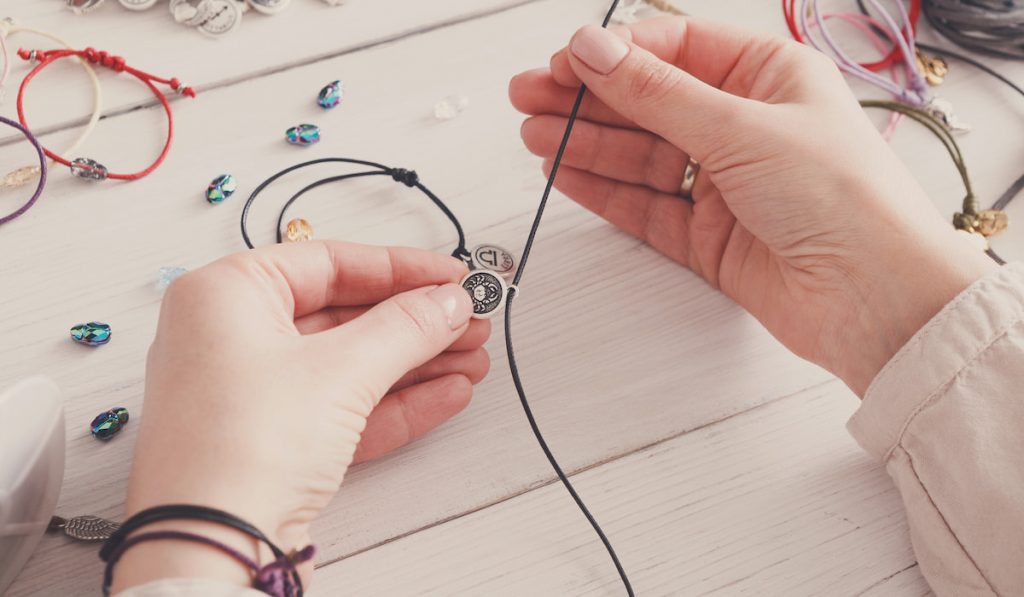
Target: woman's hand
[800, 212]
[273, 370]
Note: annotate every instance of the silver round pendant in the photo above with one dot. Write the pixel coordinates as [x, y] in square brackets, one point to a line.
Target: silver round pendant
[494, 258]
[225, 17]
[138, 4]
[487, 289]
[269, 7]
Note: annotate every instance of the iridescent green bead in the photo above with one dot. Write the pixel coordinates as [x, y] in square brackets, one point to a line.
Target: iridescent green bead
[105, 425]
[331, 95]
[122, 414]
[93, 333]
[221, 188]
[303, 134]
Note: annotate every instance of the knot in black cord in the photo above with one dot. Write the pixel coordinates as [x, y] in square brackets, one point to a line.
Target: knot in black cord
[407, 177]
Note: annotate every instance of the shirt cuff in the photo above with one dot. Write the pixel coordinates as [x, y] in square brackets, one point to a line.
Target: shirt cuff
[935, 356]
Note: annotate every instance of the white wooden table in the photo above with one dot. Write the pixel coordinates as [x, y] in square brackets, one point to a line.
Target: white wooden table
[716, 461]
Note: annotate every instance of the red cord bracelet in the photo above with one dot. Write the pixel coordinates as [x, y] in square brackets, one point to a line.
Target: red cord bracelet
[789, 10]
[85, 167]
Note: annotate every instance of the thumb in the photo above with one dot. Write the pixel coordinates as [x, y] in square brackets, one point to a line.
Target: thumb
[654, 94]
[377, 348]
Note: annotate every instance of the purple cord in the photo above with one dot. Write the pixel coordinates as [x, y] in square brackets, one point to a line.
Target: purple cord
[42, 170]
[916, 95]
[273, 579]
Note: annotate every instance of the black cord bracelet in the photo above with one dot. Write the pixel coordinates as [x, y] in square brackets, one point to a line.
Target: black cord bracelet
[187, 512]
[488, 263]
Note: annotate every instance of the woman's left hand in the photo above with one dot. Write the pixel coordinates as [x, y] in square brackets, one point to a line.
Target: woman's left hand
[275, 369]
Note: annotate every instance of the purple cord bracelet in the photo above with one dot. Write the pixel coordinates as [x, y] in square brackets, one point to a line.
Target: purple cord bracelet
[42, 171]
[273, 579]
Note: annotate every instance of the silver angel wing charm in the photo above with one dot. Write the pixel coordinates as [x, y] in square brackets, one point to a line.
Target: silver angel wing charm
[84, 528]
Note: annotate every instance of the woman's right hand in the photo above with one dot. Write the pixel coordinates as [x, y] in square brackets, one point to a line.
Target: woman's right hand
[801, 212]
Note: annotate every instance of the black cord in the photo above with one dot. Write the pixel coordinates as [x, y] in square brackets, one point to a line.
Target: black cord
[510, 349]
[407, 177]
[411, 180]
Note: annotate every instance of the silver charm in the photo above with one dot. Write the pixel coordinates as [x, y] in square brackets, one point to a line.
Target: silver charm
[487, 289]
[138, 4]
[191, 12]
[88, 169]
[269, 7]
[942, 110]
[494, 258]
[84, 528]
[226, 16]
[80, 7]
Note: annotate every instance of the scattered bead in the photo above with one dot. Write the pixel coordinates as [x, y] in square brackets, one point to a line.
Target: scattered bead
[88, 169]
[298, 230]
[166, 275]
[221, 188]
[450, 107]
[93, 333]
[122, 414]
[991, 222]
[303, 134]
[108, 423]
[331, 95]
[21, 176]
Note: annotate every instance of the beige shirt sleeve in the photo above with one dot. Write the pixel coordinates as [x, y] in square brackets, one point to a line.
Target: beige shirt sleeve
[946, 416]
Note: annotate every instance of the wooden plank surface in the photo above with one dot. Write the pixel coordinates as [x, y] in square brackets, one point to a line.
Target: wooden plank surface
[769, 502]
[668, 357]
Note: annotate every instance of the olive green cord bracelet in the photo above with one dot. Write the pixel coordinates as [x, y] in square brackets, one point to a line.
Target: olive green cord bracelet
[971, 219]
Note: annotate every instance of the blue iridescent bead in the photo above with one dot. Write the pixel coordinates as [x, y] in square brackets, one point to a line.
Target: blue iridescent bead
[221, 188]
[304, 134]
[93, 333]
[105, 425]
[121, 413]
[331, 95]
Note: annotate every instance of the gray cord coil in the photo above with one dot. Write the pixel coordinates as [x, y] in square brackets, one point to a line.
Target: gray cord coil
[994, 27]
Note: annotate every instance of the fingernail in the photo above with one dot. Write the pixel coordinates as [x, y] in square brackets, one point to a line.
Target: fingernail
[455, 302]
[599, 48]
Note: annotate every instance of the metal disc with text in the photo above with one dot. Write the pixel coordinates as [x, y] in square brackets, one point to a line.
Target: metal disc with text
[487, 289]
[494, 258]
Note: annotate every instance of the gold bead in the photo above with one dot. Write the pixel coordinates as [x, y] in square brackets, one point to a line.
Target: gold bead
[991, 222]
[298, 230]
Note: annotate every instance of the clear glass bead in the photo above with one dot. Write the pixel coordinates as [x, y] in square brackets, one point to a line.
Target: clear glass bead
[450, 107]
[166, 275]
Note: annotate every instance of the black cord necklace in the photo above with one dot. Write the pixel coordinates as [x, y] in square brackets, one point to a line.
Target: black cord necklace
[484, 283]
[489, 263]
